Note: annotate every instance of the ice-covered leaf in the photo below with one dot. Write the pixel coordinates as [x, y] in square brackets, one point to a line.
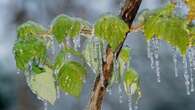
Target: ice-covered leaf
[192, 35]
[191, 4]
[112, 29]
[43, 85]
[37, 69]
[132, 82]
[71, 78]
[169, 28]
[28, 50]
[65, 26]
[29, 30]
[62, 57]
[125, 54]
[93, 54]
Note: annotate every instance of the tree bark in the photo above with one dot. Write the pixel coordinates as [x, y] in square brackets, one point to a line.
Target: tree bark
[128, 13]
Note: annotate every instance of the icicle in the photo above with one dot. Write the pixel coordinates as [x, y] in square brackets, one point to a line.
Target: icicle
[190, 56]
[109, 90]
[45, 106]
[58, 92]
[155, 42]
[61, 45]
[104, 50]
[175, 61]
[193, 58]
[158, 71]
[99, 45]
[120, 94]
[136, 106]
[130, 102]
[76, 42]
[151, 53]
[52, 47]
[148, 49]
[116, 70]
[95, 55]
[186, 76]
[179, 4]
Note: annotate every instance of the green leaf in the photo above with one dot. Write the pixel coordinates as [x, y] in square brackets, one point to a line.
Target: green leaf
[132, 82]
[169, 28]
[71, 78]
[29, 30]
[29, 50]
[112, 29]
[43, 85]
[65, 26]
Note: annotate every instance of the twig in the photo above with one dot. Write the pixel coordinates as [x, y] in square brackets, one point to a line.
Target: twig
[128, 13]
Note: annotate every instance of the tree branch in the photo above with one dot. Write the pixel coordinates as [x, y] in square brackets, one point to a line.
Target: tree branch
[128, 13]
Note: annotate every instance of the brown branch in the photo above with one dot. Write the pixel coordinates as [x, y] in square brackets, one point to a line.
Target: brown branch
[128, 13]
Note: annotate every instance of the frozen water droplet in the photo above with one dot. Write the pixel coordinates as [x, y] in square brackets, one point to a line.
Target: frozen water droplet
[45, 106]
[66, 93]
[84, 81]
[109, 90]
[186, 76]
[18, 72]
[175, 61]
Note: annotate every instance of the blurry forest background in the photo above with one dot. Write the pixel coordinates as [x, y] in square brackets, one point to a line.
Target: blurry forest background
[170, 94]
